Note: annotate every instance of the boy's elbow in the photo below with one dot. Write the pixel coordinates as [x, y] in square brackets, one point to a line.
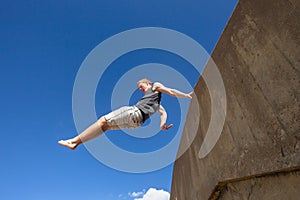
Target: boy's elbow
[171, 93]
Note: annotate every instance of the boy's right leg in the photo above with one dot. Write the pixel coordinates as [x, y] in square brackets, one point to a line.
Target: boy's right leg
[90, 133]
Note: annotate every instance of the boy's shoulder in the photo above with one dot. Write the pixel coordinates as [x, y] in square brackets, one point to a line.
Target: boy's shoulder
[156, 86]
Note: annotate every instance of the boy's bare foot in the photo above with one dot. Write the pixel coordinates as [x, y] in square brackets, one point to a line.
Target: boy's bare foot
[68, 143]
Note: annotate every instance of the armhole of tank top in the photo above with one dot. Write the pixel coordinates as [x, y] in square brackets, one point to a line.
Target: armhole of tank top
[152, 88]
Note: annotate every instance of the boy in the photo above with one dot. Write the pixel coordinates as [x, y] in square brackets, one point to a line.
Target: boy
[130, 116]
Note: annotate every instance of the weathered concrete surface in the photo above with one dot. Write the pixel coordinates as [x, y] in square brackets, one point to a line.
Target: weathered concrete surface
[258, 56]
[284, 186]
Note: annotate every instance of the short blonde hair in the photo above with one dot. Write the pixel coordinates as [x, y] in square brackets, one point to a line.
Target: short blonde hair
[145, 80]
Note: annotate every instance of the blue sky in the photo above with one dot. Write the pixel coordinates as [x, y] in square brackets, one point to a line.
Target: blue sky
[42, 46]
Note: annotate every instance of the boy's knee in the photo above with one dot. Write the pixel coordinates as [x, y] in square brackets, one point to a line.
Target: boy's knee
[102, 123]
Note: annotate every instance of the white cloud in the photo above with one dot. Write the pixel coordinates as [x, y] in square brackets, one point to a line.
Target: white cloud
[136, 194]
[154, 194]
[121, 196]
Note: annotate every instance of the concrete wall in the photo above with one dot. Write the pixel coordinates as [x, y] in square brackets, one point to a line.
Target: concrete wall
[258, 56]
[283, 186]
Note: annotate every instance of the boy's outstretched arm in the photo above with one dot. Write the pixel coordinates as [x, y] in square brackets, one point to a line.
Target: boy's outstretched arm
[170, 91]
[163, 118]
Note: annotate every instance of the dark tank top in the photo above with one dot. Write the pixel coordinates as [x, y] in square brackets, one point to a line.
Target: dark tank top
[149, 103]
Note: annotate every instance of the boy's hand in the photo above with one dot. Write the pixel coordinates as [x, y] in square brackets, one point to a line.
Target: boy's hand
[166, 127]
[189, 95]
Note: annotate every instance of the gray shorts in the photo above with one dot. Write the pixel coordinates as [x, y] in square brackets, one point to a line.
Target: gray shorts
[124, 117]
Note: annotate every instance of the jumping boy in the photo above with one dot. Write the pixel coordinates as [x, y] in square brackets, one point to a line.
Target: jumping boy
[130, 116]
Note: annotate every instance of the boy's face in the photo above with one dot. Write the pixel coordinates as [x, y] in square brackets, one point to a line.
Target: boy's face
[144, 87]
